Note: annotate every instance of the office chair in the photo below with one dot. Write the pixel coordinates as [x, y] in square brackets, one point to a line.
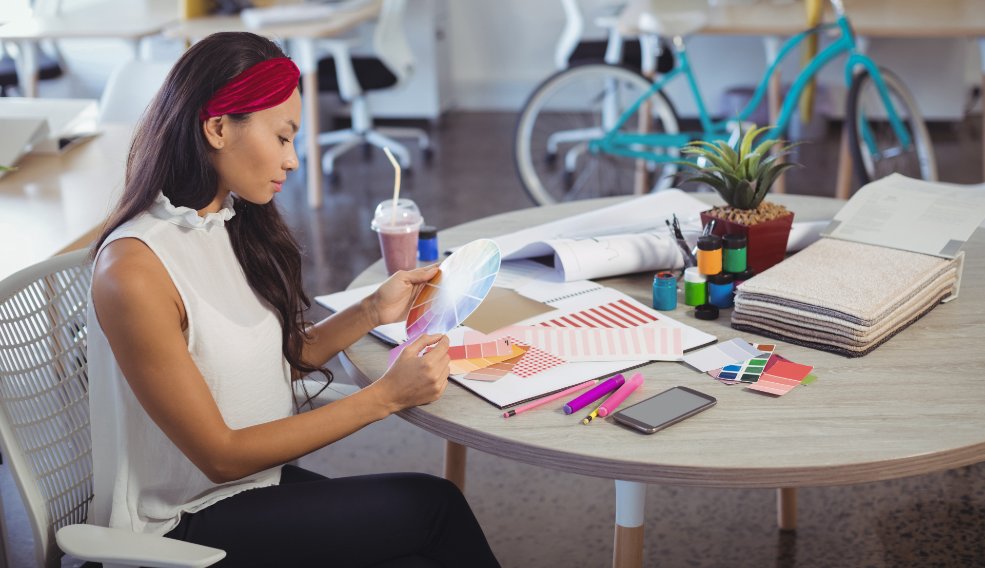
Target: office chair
[352, 76]
[617, 48]
[48, 68]
[44, 421]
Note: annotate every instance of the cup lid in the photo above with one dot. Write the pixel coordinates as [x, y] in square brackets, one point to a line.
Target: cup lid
[406, 217]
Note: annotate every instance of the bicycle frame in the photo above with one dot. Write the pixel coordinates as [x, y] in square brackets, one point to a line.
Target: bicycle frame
[627, 144]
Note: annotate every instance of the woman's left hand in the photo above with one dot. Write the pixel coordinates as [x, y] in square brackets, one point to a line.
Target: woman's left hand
[391, 301]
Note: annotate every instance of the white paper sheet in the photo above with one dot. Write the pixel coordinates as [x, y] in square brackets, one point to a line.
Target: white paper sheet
[913, 215]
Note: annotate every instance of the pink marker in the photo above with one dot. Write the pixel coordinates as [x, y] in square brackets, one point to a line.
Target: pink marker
[620, 395]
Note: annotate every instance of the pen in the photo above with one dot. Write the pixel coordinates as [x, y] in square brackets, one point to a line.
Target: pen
[596, 393]
[591, 415]
[620, 395]
[549, 398]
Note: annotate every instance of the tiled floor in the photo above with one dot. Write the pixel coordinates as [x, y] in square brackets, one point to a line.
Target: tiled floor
[542, 518]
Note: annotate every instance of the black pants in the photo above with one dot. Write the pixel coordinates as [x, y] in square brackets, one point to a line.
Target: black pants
[387, 520]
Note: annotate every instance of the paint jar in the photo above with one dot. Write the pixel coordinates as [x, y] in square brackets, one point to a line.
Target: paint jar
[709, 254]
[734, 253]
[664, 291]
[738, 279]
[695, 287]
[720, 290]
[427, 244]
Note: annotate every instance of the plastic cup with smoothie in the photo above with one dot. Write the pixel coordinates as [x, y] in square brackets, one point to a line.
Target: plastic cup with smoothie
[398, 230]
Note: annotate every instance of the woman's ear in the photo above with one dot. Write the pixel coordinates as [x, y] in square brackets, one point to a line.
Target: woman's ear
[215, 131]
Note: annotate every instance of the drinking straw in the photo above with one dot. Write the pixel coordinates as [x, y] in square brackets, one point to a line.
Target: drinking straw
[396, 184]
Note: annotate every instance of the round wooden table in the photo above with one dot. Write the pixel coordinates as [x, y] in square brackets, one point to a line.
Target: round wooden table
[912, 406]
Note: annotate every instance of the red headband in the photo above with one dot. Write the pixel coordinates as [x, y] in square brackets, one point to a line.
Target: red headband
[265, 85]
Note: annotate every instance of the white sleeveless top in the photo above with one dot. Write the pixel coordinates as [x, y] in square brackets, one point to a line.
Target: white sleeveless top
[142, 481]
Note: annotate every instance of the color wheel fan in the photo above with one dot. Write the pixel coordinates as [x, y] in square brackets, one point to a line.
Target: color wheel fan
[462, 282]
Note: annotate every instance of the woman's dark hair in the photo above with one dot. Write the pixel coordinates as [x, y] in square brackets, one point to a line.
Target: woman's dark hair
[170, 155]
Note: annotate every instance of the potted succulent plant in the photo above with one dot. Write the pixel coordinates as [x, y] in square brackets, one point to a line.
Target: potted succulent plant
[743, 176]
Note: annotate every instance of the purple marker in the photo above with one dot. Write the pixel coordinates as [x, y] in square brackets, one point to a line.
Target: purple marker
[596, 393]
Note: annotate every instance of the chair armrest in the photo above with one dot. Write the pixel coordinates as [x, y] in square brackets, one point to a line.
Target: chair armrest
[117, 546]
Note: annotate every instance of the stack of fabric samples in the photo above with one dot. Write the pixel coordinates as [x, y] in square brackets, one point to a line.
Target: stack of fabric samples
[842, 296]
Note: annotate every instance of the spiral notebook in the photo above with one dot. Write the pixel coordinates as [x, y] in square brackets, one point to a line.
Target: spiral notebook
[578, 304]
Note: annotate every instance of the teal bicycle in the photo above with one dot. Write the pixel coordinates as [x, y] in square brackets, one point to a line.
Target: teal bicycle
[586, 131]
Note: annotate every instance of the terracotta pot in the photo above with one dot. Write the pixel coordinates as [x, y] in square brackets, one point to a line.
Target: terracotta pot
[767, 241]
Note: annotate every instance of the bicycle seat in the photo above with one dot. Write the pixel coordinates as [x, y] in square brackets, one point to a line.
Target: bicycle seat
[643, 18]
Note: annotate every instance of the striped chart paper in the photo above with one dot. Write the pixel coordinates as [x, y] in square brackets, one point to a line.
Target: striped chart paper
[618, 314]
[650, 342]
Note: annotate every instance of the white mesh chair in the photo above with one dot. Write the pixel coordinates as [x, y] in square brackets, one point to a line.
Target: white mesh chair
[352, 76]
[130, 89]
[44, 421]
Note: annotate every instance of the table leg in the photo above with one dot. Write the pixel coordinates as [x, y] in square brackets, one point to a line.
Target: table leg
[627, 549]
[303, 51]
[455, 464]
[786, 508]
[772, 46]
[27, 68]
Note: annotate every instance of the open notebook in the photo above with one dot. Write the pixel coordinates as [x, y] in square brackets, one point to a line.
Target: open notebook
[548, 375]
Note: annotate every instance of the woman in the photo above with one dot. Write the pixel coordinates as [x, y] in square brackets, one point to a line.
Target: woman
[196, 332]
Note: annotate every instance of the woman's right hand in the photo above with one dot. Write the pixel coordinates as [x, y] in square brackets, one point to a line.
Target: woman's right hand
[414, 380]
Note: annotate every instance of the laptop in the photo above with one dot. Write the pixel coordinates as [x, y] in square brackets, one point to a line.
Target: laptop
[20, 136]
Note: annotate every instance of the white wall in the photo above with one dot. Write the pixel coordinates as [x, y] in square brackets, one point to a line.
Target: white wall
[501, 50]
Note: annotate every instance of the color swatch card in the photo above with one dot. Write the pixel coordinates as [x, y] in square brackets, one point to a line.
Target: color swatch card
[464, 366]
[650, 342]
[747, 371]
[720, 354]
[781, 377]
[479, 349]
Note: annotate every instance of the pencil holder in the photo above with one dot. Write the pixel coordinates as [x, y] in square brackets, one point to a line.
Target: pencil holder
[664, 291]
[734, 253]
[695, 287]
[709, 254]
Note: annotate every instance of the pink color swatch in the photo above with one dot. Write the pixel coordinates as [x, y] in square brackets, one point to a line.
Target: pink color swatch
[781, 377]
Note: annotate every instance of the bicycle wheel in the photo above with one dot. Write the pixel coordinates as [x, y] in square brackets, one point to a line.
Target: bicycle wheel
[569, 110]
[875, 147]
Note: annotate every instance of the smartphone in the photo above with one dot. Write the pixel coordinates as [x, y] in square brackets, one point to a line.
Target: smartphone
[661, 410]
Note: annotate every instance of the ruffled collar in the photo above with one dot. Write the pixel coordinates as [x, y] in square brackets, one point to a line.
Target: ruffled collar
[188, 217]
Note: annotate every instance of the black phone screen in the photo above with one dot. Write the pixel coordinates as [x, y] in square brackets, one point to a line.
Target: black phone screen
[665, 408]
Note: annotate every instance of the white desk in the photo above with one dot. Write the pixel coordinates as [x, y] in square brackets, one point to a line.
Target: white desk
[301, 38]
[127, 20]
[55, 203]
